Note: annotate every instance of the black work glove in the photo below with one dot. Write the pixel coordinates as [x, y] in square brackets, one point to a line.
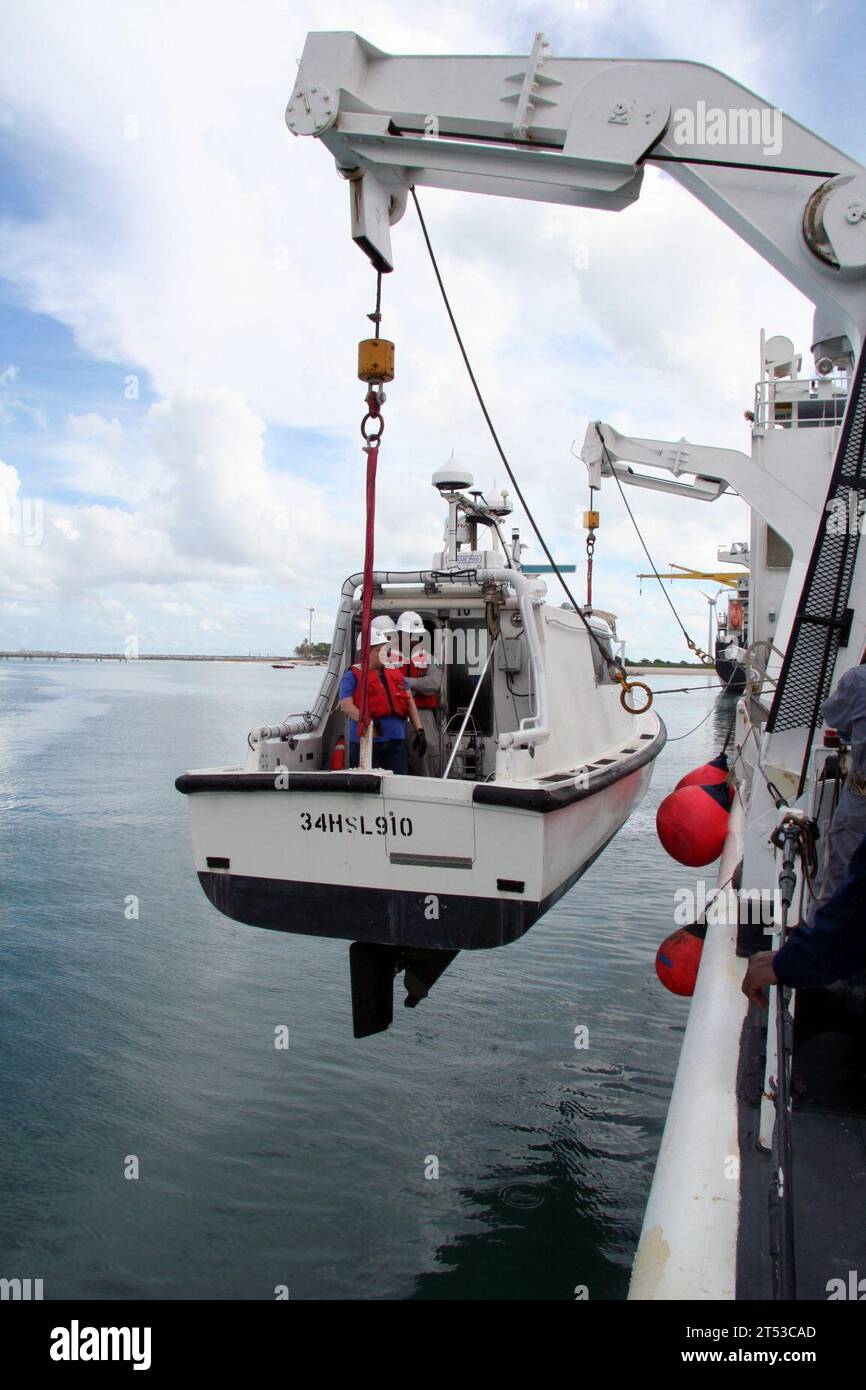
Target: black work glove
[419, 743]
[376, 728]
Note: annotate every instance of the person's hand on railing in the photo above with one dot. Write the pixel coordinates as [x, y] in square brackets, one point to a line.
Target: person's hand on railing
[759, 974]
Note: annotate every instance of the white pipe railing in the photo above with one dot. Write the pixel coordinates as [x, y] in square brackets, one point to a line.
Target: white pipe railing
[533, 729]
[688, 1244]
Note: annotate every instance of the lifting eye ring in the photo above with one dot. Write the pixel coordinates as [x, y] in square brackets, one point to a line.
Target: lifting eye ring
[376, 419]
[626, 690]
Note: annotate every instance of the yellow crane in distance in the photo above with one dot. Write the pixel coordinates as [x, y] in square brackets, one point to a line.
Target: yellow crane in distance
[730, 578]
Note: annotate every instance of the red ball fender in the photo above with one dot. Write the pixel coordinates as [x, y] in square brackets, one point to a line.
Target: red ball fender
[707, 775]
[693, 821]
[678, 959]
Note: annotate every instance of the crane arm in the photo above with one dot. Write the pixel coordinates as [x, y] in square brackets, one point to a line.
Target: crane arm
[726, 577]
[578, 131]
[789, 505]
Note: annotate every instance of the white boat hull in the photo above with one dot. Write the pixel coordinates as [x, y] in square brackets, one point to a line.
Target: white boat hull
[403, 860]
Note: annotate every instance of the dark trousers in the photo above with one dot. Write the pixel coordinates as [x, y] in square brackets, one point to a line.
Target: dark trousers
[389, 753]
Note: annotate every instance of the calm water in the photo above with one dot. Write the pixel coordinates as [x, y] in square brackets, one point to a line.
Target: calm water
[304, 1167]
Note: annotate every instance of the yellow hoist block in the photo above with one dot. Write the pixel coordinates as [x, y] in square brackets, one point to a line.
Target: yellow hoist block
[375, 360]
[591, 520]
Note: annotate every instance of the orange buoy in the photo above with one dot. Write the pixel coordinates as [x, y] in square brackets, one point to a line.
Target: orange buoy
[678, 959]
[693, 821]
[707, 775]
[338, 756]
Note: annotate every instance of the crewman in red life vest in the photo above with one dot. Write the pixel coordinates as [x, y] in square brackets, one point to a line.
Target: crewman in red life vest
[390, 704]
[424, 680]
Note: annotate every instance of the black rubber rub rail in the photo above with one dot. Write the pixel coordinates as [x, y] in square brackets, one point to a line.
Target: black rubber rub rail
[366, 783]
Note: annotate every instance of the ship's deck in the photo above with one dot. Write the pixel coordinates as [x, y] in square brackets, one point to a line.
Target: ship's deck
[828, 1138]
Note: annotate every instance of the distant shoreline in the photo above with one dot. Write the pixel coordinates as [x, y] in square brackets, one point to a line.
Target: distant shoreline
[278, 660]
[666, 670]
[119, 656]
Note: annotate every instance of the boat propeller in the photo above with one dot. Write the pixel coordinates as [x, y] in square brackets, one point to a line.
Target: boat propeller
[373, 969]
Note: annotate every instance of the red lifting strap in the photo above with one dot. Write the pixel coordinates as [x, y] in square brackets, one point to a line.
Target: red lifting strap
[367, 591]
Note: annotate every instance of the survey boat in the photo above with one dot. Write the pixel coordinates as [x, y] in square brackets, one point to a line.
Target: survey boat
[545, 755]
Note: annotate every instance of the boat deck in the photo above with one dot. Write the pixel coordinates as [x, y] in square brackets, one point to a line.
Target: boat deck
[828, 1132]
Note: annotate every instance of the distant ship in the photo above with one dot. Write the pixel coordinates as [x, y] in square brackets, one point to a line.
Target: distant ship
[732, 632]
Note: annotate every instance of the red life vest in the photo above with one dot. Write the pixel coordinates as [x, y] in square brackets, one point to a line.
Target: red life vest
[415, 670]
[386, 692]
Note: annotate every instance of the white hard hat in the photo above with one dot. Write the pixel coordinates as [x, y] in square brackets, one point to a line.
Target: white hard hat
[379, 637]
[411, 622]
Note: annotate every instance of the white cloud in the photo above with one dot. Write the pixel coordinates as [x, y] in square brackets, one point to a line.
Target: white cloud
[12, 406]
[185, 234]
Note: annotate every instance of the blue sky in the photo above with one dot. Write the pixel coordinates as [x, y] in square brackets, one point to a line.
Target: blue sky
[180, 303]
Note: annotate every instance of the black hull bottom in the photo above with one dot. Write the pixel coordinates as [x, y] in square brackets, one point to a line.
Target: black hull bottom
[384, 916]
[381, 915]
[732, 675]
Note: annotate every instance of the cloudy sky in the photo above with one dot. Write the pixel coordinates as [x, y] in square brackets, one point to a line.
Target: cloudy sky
[180, 305]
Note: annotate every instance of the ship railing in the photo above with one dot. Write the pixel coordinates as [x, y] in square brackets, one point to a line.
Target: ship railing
[802, 403]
